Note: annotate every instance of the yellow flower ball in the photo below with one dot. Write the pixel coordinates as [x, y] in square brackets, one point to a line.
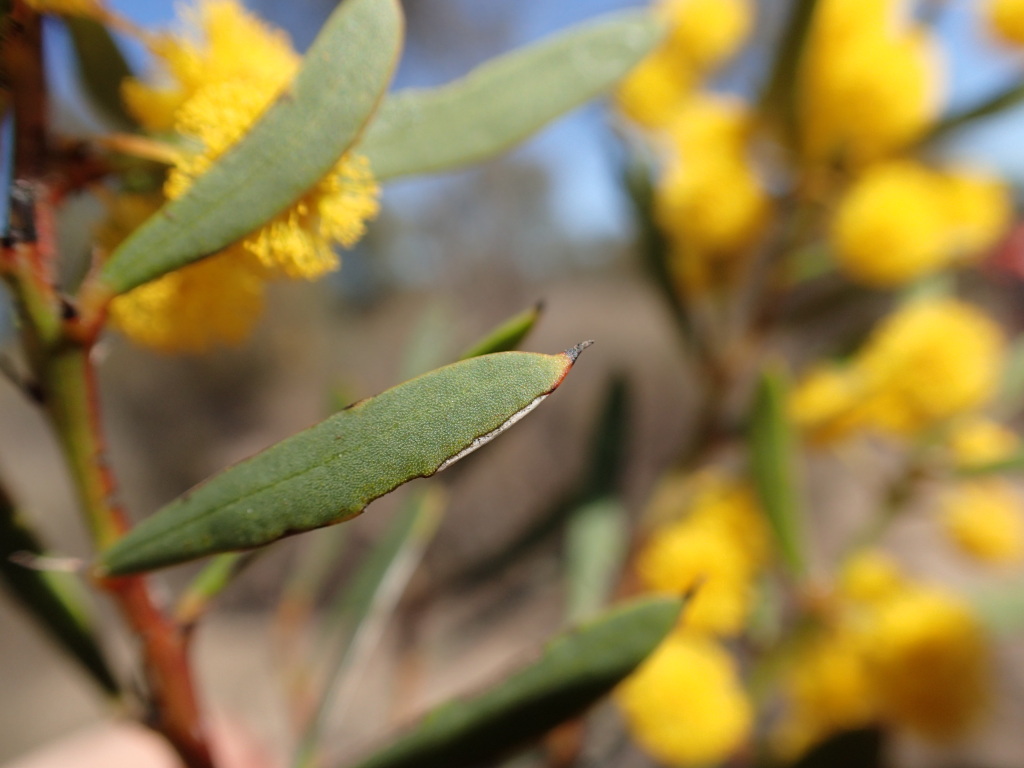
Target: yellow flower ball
[983, 517]
[928, 660]
[685, 704]
[1007, 19]
[653, 90]
[980, 210]
[824, 404]
[827, 689]
[715, 208]
[869, 85]
[212, 302]
[684, 556]
[870, 576]
[977, 440]
[891, 226]
[931, 360]
[704, 33]
[216, 84]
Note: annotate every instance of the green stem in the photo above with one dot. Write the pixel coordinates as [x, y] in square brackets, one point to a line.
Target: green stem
[69, 394]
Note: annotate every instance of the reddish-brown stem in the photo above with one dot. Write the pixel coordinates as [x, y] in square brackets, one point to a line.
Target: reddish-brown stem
[70, 396]
[58, 346]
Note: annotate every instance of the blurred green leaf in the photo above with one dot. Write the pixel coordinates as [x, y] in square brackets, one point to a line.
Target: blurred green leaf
[289, 148]
[1013, 463]
[329, 473]
[55, 599]
[101, 69]
[356, 619]
[508, 335]
[577, 669]
[503, 101]
[428, 345]
[780, 92]
[597, 540]
[597, 533]
[210, 582]
[772, 460]
[639, 174]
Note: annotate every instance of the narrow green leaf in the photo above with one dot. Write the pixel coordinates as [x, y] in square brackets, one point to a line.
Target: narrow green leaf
[772, 458]
[289, 148]
[210, 582]
[329, 473]
[54, 599]
[502, 102]
[779, 95]
[508, 335]
[1013, 463]
[356, 619]
[577, 669]
[597, 540]
[101, 68]
[597, 534]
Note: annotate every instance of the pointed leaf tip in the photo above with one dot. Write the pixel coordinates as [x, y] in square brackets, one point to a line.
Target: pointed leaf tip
[574, 352]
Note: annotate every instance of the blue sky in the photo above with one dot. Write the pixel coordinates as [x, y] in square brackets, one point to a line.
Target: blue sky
[584, 189]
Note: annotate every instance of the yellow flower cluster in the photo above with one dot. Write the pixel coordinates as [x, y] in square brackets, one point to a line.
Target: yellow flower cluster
[710, 201]
[977, 440]
[931, 360]
[900, 220]
[1007, 19]
[213, 90]
[869, 82]
[983, 517]
[890, 650]
[718, 547]
[702, 35]
[686, 705]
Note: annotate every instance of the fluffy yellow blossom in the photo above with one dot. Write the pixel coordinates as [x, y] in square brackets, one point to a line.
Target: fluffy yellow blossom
[685, 704]
[213, 301]
[928, 661]
[870, 81]
[1007, 19]
[705, 33]
[980, 209]
[652, 92]
[702, 35]
[216, 84]
[717, 544]
[827, 689]
[685, 556]
[984, 518]
[870, 576]
[901, 220]
[710, 201]
[930, 361]
[891, 225]
[977, 440]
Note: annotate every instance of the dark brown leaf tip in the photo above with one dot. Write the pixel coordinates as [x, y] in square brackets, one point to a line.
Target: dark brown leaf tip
[573, 352]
